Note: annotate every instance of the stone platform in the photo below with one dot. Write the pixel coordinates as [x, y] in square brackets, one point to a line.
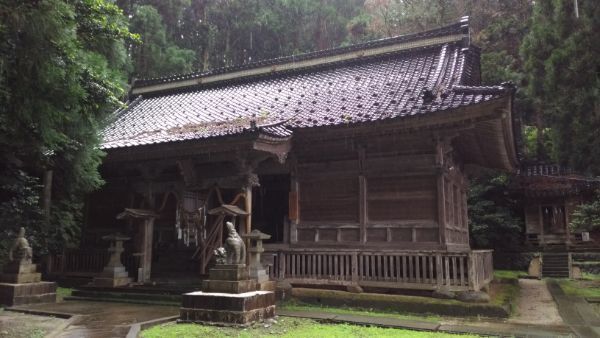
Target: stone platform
[229, 297]
[112, 277]
[12, 294]
[227, 308]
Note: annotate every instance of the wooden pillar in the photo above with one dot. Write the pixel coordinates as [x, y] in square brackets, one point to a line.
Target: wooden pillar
[294, 209]
[148, 233]
[248, 206]
[354, 271]
[567, 219]
[541, 223]
[441, 195]
[362, 195]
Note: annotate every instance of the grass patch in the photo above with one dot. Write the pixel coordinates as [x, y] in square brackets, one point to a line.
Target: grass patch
[61, 293]
[299, 306]
[287, 327]
[417, 305]
[505, 295]
[587, 287]
[509, 274]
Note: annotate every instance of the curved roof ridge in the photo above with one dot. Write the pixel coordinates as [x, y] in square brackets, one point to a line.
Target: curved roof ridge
[460, 30]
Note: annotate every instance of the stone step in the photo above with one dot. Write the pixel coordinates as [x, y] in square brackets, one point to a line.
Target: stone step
[555, 273]
[121, 300]
[555, 269]
[128, 297]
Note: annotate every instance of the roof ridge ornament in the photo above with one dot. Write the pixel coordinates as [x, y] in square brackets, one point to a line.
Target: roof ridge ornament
[466, 31]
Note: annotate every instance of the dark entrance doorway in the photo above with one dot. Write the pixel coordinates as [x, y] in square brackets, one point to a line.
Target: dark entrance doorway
[553, 219]
[270, 206]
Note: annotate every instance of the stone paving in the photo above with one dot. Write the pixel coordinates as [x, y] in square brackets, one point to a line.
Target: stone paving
[21, 325]
[103, 319]
[535, 304]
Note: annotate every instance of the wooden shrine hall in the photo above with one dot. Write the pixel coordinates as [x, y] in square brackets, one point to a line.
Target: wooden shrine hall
[353, 159]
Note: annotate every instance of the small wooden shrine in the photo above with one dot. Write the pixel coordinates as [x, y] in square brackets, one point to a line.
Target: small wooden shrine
[549, 194]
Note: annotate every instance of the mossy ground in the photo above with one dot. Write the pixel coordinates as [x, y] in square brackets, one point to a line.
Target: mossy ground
[509, 274]
[287, 327]
[589, 286]
[61, 293]
[504, 294]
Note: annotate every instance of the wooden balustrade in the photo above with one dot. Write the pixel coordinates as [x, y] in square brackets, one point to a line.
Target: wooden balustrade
[410, 270]
[87, 262]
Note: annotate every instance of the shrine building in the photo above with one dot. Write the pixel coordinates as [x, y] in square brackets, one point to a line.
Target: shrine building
[353, 159]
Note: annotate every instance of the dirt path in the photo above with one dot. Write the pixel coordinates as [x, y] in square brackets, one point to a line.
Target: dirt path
[535, 304]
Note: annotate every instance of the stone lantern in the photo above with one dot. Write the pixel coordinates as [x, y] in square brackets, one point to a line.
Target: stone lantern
[256, 269]
[114, 273]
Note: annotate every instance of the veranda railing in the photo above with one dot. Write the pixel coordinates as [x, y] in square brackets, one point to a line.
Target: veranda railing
[412, 270]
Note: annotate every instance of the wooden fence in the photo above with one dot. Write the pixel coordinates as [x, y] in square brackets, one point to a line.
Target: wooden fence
[87, 262]
[406, 270]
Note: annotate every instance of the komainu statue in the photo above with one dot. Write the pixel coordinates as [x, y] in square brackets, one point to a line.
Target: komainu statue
[234, 246]
[220, 256]
[20, 250]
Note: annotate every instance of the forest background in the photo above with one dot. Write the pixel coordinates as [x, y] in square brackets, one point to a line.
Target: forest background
[66, 65]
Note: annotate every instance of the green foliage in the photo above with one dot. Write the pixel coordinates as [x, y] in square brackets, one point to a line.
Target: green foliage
[493, 222]
[19, 205]
[562, 58]
[57, 85]
[157, 54]
[539, 143]
[586, 217]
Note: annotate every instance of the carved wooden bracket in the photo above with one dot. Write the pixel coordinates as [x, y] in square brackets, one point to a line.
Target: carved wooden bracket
[188, 172]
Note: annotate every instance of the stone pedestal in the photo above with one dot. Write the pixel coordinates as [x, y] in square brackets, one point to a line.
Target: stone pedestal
[229, 278]
[21, 284]
[227, 308]
[27, 293]
[20, 272]
[114, 273]
[229, 297]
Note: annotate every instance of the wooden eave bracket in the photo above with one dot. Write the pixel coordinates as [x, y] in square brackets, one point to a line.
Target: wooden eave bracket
[129, 213]
[279, 148]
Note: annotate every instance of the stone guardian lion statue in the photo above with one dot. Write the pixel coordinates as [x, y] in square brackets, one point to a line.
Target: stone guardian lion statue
[234, 246]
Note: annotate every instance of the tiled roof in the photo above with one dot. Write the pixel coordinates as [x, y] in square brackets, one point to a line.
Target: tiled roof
[542, 179]
[384, 85]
